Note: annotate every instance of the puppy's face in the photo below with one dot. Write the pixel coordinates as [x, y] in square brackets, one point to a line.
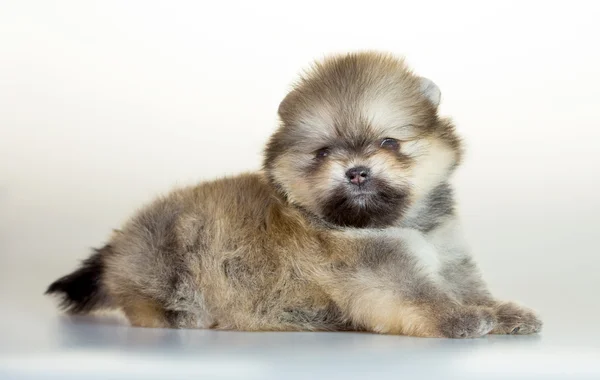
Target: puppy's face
[360, 141]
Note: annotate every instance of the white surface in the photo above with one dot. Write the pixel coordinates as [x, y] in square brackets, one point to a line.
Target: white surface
[105, 104]
[36, 343]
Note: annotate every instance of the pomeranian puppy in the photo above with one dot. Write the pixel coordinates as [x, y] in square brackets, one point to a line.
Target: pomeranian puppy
[350, 225]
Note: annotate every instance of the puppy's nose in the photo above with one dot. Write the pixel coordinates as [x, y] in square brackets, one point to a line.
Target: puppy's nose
[358, 175]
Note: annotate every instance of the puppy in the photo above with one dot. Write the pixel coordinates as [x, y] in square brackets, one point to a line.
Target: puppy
[350, 225]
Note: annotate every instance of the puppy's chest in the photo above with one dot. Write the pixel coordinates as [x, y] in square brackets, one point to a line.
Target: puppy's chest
[427, 251]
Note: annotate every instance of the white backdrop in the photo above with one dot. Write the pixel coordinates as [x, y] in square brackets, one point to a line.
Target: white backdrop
[104, 105]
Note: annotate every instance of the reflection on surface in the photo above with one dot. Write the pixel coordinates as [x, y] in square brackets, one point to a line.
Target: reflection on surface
[37, 340]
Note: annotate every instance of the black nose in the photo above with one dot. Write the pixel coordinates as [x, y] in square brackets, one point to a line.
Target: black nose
[358, 175]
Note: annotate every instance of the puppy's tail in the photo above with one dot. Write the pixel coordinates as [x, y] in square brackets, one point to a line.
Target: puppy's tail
[83, 290]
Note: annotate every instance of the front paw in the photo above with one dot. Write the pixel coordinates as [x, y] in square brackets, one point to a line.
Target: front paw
[467, 322]
[515, 319]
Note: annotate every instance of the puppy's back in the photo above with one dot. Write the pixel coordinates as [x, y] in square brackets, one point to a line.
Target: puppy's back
[163, 251]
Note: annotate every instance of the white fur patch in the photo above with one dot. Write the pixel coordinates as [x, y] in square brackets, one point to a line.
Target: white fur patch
[421, 249]
[112, 316]
[433, 160]
[389, 118]
[449, 240]
[415, 242]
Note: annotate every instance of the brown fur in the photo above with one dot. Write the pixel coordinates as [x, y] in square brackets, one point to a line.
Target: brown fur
[299, 247]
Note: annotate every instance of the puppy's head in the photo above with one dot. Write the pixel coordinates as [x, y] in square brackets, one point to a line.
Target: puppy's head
[360, 141]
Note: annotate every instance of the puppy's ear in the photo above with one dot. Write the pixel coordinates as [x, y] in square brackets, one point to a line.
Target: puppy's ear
[287, 106]
[431, 91]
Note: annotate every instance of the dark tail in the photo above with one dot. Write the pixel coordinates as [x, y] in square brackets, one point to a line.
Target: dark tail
[83, 291]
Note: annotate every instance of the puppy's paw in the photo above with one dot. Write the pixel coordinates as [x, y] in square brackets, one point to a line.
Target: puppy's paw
[468, 322]
[516, 319]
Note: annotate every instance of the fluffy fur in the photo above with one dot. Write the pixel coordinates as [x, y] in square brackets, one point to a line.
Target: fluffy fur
[308, 243]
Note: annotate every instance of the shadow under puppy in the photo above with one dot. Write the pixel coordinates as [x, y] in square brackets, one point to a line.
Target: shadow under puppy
[350, 226]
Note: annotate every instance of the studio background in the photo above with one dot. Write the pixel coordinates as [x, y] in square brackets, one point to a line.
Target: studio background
[105, 105]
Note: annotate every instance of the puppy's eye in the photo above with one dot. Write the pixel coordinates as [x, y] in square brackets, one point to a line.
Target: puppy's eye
[390, 144]
[322, 153]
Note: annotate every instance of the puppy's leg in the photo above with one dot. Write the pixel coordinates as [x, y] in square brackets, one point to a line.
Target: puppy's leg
[145, 313]
[457, 267]
[142, 311]
[512, 318]
[464, 280]
[153, 272]
[391, 287]
[380, 304]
